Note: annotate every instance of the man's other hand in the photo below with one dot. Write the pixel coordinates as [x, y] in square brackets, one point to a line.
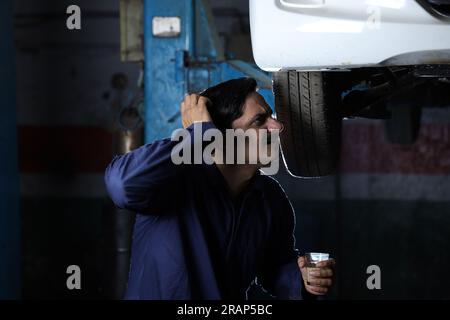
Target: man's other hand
[320, 278]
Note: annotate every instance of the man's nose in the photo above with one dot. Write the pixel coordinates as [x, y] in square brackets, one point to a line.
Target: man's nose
[273, 124]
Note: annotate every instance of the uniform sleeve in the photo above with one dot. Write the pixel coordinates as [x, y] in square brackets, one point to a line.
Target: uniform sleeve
[280, 274]
[145, 180]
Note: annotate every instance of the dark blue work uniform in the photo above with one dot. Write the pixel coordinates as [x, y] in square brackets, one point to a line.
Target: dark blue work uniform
[191, 239]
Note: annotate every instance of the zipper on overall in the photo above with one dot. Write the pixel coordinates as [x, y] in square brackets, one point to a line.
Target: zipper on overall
[235, 224]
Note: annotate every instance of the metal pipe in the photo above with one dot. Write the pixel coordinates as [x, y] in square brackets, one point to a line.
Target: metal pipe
[129, 135]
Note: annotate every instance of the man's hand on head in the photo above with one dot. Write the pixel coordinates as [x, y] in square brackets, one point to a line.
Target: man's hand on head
[320, 278]
[194, 109]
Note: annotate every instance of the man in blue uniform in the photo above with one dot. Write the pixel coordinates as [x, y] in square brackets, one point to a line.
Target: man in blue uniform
[207, 231]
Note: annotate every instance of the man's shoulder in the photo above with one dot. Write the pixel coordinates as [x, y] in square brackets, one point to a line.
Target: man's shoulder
[277, 197]
[271, 185]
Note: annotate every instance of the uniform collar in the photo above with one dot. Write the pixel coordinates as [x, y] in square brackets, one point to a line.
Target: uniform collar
[216, 177]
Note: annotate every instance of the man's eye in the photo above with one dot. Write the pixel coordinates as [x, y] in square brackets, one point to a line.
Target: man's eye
[260, 120]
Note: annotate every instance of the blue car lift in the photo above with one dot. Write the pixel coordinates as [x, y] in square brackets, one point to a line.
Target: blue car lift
[9, 176]
[183, 55]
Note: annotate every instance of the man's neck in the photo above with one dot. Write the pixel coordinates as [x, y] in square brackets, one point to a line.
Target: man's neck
[237, 176]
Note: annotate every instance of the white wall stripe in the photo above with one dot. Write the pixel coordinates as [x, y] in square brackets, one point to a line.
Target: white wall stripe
[79, 186]
[353, 187]
[371, 187]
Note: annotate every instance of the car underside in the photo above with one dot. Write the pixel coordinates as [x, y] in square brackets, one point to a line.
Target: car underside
[333, 61]
[312, 106]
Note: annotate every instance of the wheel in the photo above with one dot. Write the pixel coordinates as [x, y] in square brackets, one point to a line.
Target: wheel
[306, 103]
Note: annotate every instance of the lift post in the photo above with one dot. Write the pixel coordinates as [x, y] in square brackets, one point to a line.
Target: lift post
[183, 54]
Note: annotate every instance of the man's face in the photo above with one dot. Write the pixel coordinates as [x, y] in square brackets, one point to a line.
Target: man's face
[257, 115]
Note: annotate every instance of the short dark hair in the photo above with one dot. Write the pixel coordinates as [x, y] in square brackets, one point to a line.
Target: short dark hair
[228, 99]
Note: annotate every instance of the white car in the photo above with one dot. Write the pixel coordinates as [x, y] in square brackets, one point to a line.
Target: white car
[335, 59]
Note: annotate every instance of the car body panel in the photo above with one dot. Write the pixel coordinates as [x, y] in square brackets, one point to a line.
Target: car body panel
[335, 34]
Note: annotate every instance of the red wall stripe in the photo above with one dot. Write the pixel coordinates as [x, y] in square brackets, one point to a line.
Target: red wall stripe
[366, 150]
[82, 149]
[64, 149]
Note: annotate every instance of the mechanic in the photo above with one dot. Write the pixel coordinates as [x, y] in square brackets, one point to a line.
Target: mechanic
[207, 231]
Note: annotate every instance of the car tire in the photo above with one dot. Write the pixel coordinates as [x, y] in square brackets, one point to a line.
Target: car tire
[306, 103]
